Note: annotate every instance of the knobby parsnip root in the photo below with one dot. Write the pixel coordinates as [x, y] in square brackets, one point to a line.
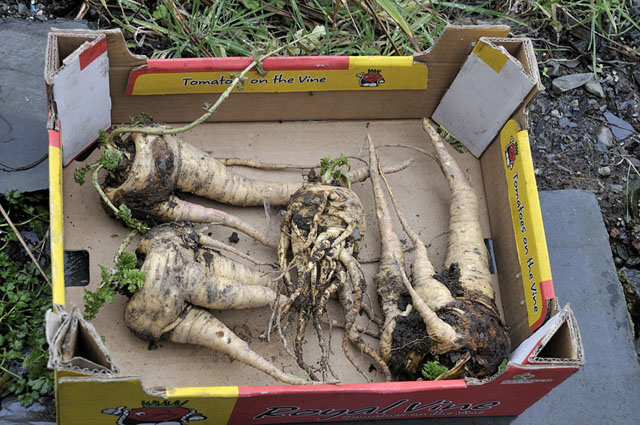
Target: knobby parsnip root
[183, 280]
[446, 317]
[321, 233]
[159, 166]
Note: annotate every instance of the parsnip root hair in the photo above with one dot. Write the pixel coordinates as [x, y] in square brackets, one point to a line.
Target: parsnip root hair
[321, 232]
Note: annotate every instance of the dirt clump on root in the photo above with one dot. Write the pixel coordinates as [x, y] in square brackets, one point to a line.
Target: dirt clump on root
[488, 342]
[485, 335]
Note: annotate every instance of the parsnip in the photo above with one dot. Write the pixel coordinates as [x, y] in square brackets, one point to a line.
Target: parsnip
[182, 282]
[465, 333]
[321, 233]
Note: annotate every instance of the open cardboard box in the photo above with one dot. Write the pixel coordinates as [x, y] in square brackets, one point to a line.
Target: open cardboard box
[106, 375]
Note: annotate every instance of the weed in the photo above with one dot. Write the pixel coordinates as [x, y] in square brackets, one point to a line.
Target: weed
[432, 369]
[24, 299]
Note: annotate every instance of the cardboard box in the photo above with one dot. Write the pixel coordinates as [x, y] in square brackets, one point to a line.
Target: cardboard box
[302, 110]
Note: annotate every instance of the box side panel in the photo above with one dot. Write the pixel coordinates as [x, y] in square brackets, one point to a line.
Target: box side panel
[121, 400]
[446, 57]
[510, 394]
[488, 89]
[79, 92]
[523, 269]
[83, 401]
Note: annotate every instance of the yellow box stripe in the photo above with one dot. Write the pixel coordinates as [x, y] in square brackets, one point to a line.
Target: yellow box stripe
[380, 61]
[399, 73]
[56, 216]
[217, 403]
[495, 58]
[218, 392]
[527, 219]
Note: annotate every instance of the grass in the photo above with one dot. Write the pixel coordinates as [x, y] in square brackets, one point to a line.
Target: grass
[202, 28]
[24, 299]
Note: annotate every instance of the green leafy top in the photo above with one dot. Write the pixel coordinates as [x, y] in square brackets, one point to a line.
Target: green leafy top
[432, 369]
[331, 171]
[126, 277]
[110, 160]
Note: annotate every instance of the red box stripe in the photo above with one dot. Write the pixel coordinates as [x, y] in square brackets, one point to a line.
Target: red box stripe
[54, 138]
[547, 289]
[92, 53]
[285, 63]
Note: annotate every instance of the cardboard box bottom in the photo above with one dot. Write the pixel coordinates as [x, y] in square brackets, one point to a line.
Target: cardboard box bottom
[421, 190]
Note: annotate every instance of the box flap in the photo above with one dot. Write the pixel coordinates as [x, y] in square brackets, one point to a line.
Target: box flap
[75, 346]
[488, 89]
[77, 77]
[558, 341]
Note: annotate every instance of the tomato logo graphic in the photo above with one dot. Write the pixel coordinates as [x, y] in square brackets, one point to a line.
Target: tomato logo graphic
[511, 152]
[372, 78]
[156, 413]
[524, 376]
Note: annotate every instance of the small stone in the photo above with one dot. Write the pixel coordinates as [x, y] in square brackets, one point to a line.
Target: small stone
[22, 9]
[537, 171]
[595, 88]
[565, 122]
[620, 128]
[616, 187]
[604, 136]
[622, 251]
[570, 82]
[604, 171]
[614, 233]
[555, 113]
[552, 68]
[4, 7]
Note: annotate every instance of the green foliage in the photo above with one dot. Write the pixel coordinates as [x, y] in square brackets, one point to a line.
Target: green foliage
[331, 171]
[503, 366]
[142, 119]
[432, 369]
[24, 299]
[102, 138]
[124, 214]
[126, 277]
[110, 160]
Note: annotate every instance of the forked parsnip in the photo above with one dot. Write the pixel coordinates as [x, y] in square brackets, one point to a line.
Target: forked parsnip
[450, 316]
[183, 282]
[321, 234]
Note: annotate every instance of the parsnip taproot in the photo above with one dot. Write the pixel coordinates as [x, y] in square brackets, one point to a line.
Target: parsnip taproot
[465, 331]
[182, 282]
